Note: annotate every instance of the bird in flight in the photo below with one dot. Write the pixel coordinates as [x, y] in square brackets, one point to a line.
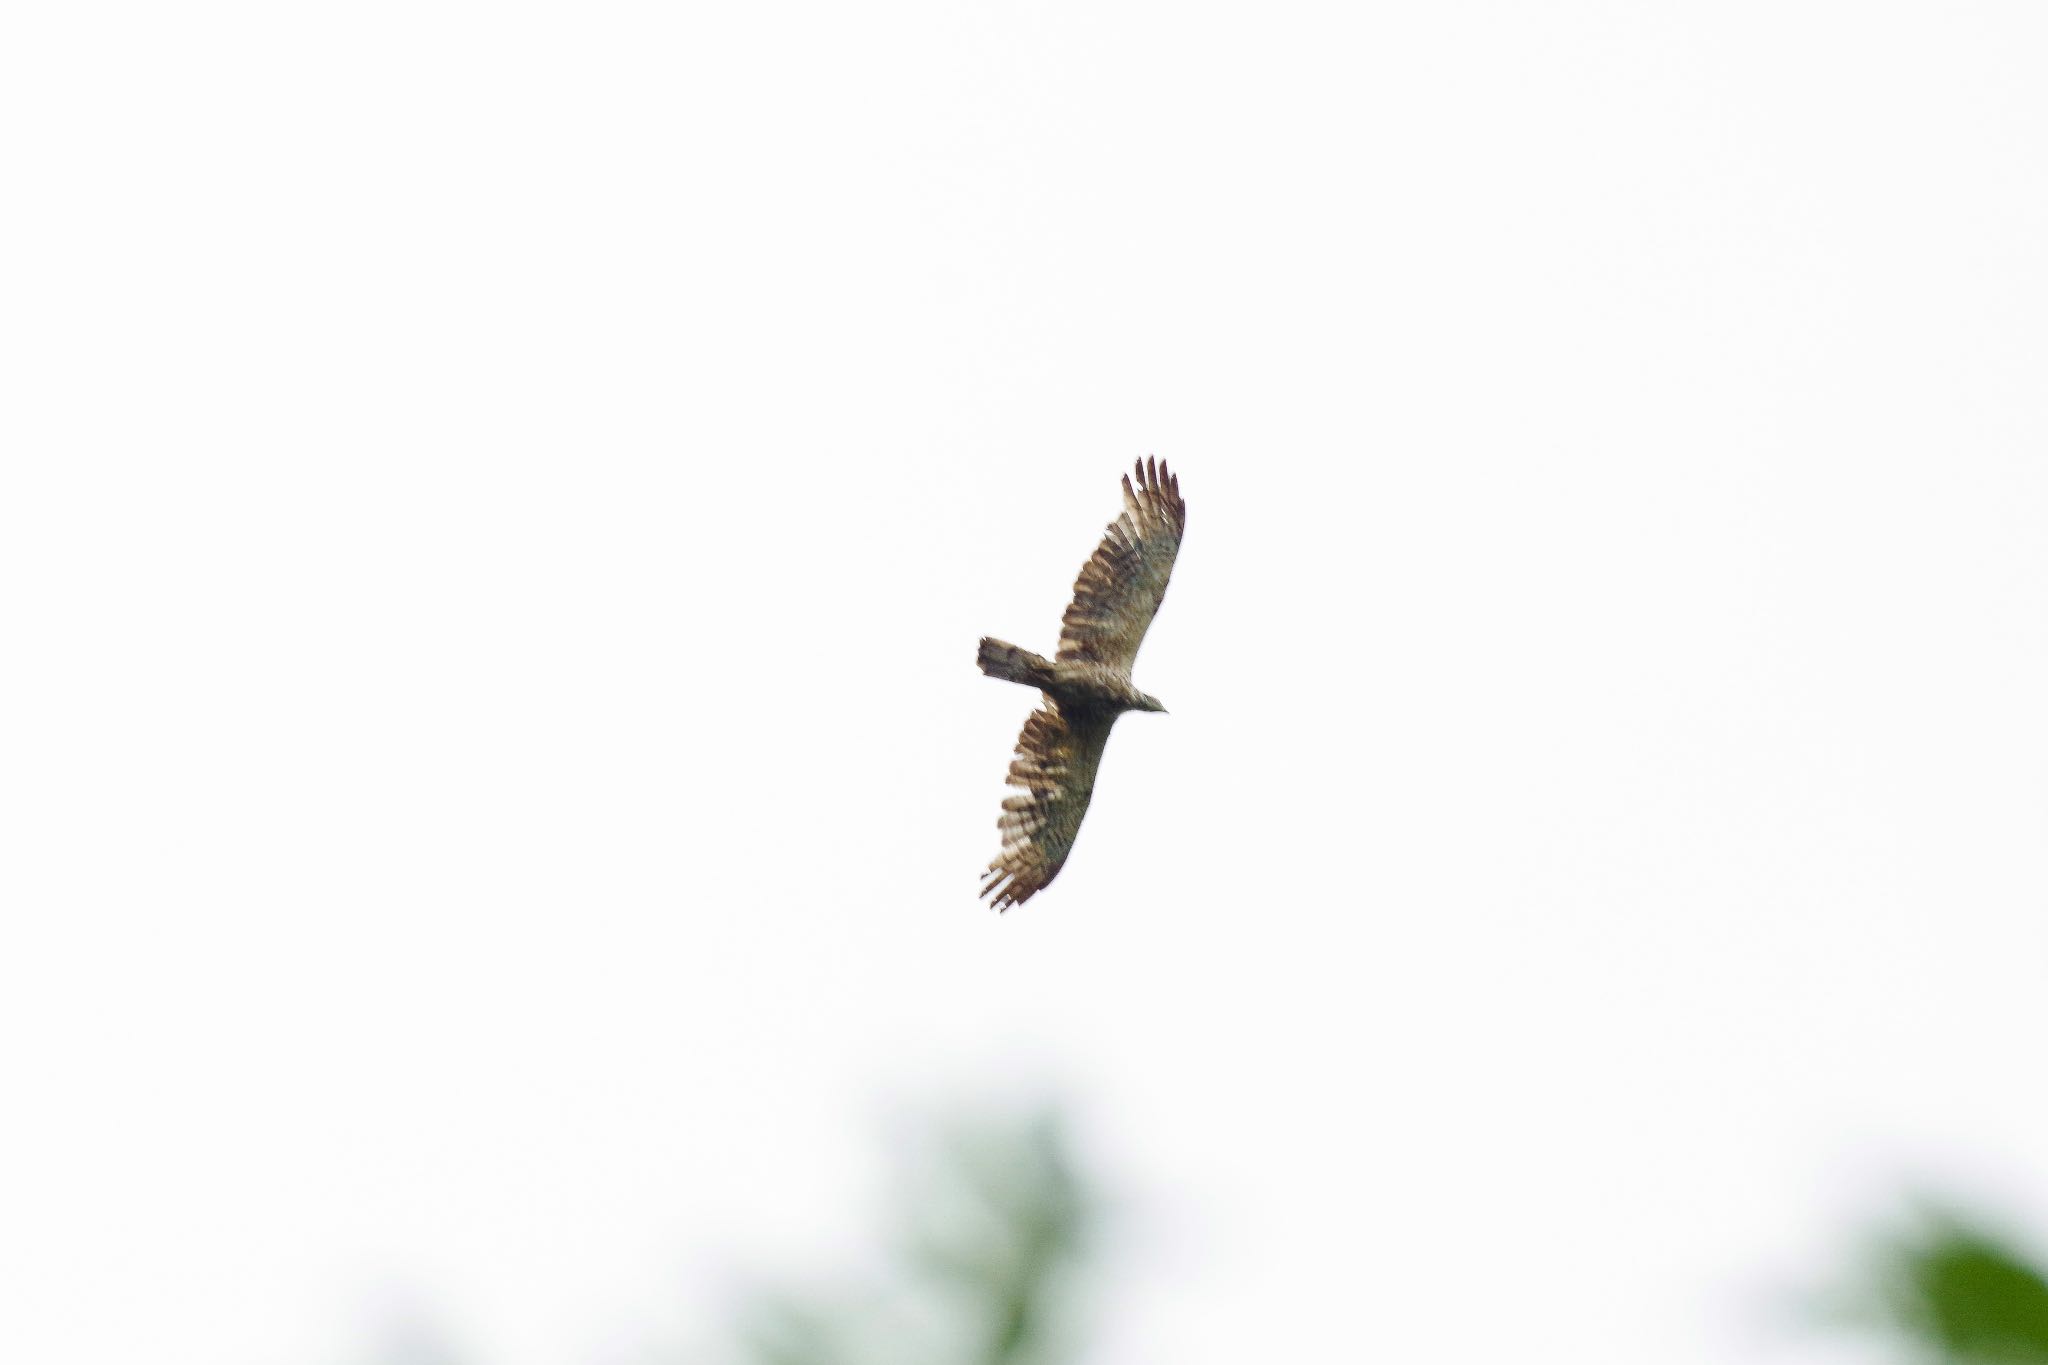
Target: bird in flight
[1086, 686]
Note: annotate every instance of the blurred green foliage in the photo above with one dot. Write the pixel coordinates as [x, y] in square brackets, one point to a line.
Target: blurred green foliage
[1955, 1292]
[994, 1231]
[994, 1223]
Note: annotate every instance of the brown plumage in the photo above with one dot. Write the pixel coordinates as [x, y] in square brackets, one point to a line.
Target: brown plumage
[1087, 685]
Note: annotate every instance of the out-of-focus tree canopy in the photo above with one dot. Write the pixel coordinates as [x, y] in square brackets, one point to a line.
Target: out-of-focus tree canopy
[994, 1221]
[1957, 1293]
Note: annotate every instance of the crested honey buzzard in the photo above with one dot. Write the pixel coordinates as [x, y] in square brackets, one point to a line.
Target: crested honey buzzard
[1086, 686]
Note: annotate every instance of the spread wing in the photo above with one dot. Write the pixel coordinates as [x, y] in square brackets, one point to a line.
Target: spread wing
[1057, 756]
[1124, 581]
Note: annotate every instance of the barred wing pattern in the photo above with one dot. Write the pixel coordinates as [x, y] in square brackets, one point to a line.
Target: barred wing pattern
[1118, 593]
[1057, 756]
[1124, 581]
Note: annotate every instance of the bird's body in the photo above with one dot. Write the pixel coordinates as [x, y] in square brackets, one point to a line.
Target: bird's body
[1087, 685]
[1074, 686]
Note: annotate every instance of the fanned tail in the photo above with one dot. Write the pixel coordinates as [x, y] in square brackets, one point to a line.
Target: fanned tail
[1000, 659]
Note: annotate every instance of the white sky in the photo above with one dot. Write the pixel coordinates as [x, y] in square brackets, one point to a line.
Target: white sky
[500, 500]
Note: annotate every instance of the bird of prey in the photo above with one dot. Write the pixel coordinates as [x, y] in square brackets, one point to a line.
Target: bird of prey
[1087, 685]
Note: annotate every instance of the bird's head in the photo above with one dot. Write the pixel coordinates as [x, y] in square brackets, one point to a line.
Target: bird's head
[1148, 703]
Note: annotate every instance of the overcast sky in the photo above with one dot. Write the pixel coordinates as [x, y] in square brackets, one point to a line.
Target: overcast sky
[500, 502]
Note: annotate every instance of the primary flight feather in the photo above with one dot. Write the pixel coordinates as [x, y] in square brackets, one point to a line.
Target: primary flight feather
[1086, 685]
